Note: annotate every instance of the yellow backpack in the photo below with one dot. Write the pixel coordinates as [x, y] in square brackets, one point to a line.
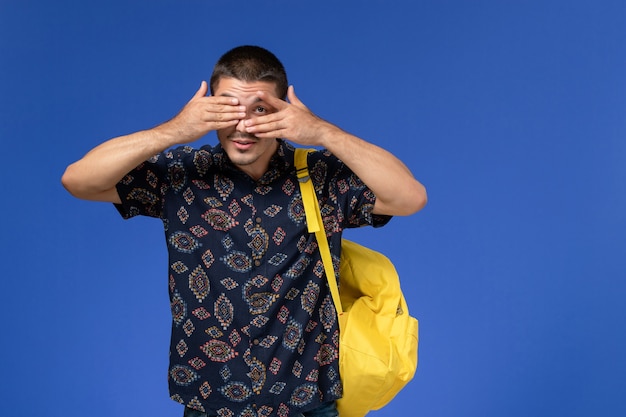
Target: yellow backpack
[378, 338]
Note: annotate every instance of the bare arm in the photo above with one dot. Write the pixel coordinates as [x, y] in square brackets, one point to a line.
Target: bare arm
[95, 176]
[397, 191]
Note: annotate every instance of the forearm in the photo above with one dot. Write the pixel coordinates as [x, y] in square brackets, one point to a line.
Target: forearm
[95, 176]
[397, 191]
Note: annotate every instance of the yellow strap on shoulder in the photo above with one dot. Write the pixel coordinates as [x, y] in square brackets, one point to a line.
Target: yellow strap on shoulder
[315, 223]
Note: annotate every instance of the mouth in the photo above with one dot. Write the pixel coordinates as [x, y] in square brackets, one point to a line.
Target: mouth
[244, 143]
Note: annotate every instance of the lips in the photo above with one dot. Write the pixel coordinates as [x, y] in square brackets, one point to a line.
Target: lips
[243, 144]
[244, 141]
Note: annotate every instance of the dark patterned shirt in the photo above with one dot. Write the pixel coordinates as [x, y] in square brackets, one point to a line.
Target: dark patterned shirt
[254, 328]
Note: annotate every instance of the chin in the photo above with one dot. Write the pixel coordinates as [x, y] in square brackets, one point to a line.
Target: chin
[242, 159]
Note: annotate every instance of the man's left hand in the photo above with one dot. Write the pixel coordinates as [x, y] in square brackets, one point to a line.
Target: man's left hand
[292, 121]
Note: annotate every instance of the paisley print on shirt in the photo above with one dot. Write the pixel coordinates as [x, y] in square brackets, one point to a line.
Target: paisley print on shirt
[252, 320]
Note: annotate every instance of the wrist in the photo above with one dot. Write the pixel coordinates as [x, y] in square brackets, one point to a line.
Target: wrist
[327, 135]
[166, 135]
[332, 137]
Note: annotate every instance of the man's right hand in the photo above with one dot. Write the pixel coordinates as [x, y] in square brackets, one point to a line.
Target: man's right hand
[201, 115]
[95, 176]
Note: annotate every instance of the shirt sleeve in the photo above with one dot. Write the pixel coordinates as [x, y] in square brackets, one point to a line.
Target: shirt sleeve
[142, 190]
[345, 201]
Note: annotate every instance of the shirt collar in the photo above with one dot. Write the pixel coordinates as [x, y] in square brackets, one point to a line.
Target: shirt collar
[281, 162]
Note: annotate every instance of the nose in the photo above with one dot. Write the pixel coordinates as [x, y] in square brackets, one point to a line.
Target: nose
[241, 126]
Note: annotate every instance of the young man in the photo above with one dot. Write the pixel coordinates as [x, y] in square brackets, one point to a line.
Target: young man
[254, 329]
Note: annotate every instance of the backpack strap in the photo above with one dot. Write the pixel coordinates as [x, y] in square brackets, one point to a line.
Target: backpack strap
[315, 223]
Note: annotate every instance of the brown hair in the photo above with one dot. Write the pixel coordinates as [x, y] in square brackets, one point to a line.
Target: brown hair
[251, 63]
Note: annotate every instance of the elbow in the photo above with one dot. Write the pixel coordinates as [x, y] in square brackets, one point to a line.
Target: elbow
[71, 181]
[81, 186]
[68, 182]
[422, 200]
[409, 201]
[423, 197]
[417, 200]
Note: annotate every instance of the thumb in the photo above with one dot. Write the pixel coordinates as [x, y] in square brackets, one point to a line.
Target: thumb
[202, 90]
[291, 95]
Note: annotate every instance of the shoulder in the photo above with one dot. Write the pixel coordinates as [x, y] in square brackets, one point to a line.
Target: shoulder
[189, 152]
[325, 166]
[190, 158]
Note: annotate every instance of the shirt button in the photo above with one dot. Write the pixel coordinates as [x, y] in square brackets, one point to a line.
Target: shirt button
[257, 263]
[258, 220]
[256, 341]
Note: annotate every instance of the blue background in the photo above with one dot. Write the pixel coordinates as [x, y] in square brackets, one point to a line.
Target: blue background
[510, 112]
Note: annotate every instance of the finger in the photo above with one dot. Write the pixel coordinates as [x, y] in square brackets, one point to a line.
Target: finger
[293, 99]
[269, 125]
[220, 106]
[218, 103]
[291, 95]
[271, 134]
[273, 101]
[202, 90]
[263, 123]
[223, 124]
[224, 115]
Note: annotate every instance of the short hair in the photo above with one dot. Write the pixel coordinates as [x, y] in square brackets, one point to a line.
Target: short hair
[250, 63]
